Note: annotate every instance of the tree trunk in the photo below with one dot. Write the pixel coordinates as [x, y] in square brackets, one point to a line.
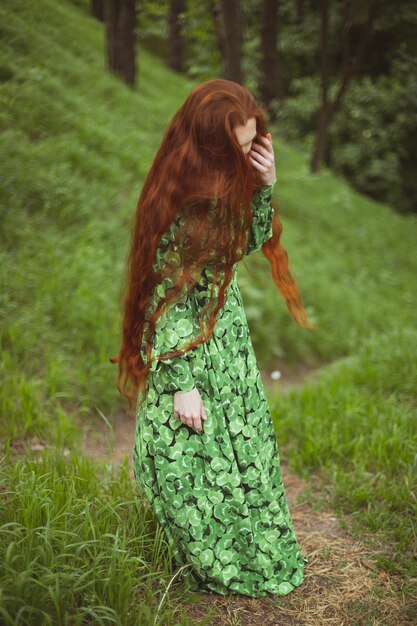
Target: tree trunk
[120, 17]
[323, 116]
[175, 41]
[299, 10]
[215, 13]
[231, 18]
[271, 80]
[348, 69]
[97, 9]
[322, 134]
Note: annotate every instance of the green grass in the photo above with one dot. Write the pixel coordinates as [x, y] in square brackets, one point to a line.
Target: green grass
[356, 424]
[76, 550]
[75, 146]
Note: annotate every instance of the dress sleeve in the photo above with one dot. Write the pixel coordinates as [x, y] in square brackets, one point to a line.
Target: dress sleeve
[263, 212]
[175, 328]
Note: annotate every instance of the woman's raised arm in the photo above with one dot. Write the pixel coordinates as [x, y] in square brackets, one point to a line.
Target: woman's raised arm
[263, 213]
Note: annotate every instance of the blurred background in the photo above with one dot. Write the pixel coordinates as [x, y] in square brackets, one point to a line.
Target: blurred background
[87, 90]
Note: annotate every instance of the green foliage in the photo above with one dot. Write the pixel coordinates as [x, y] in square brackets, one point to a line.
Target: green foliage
[296, 118]
[374, 135]
[202, 58]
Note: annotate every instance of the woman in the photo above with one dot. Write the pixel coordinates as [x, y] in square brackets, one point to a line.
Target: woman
[205, 451]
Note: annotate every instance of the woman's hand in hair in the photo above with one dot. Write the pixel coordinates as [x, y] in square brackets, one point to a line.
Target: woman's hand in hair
[263, 159]
[189, 409]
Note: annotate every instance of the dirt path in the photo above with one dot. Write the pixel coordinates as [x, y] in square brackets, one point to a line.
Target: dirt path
[342, 584]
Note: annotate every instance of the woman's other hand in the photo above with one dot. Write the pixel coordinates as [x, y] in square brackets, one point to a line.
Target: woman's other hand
[189, 409]
[263, 159]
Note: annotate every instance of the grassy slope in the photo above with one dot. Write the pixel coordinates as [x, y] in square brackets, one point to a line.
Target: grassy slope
[75, 146]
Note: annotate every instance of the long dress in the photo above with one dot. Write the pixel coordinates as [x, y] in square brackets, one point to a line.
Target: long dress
[218, 494]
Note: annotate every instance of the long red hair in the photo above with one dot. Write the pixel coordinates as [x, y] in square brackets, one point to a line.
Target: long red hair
[198, 161]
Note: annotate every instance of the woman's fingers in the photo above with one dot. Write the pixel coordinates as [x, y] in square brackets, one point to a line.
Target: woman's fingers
[186, 418]
[267, 161]
[197, 420]
[266, 148]
[268, 143]
[262, 157]
[265, 164]
[197, 424]
[192, 422]
[189, 409]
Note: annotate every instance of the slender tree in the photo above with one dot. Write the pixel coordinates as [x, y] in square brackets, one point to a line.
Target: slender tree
[216, 16]
[271, 81]
[349, 65]
[120, 17]
[299, 10]
[97, 9]
[232, 38]
[177, 8]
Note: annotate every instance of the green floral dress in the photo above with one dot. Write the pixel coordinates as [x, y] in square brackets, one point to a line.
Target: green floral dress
[218, 493]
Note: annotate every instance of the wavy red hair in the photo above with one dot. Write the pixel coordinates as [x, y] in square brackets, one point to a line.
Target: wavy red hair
[198, 161]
